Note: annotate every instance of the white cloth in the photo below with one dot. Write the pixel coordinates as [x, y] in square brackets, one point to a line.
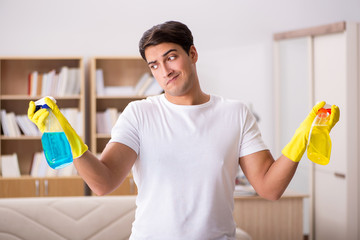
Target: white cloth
[187, 163]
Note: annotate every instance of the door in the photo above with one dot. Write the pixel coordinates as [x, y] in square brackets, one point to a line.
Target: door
[330, 81]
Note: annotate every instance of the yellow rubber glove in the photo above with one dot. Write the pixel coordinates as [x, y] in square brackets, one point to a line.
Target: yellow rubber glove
[37, 117]
[295, 149]
[78, 147]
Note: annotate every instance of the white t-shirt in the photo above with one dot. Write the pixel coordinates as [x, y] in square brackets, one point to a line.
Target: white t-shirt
[187, 163]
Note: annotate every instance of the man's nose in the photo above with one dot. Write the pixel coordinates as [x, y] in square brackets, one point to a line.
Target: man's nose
[167, 71]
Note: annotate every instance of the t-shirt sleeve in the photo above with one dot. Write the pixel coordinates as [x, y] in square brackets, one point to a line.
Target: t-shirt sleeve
[251, 140]
[125, 130]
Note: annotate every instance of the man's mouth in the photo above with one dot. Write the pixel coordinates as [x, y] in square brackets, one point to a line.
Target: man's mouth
[172, 79]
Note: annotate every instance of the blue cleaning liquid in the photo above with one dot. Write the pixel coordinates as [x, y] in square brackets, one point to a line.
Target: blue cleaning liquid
[57, 149]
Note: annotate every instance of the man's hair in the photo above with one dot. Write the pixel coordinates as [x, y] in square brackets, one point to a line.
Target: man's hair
[171, 31]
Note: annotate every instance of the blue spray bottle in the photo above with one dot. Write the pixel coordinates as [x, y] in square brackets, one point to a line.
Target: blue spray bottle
[55, 144]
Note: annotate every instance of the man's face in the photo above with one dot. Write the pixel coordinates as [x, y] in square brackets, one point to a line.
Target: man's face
[172, 67]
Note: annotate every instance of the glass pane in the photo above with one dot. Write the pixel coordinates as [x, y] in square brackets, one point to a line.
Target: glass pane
[294, 90]
[294, 86]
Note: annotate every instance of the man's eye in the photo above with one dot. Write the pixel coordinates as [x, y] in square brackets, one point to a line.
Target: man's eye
[171, 58]
[154, 66]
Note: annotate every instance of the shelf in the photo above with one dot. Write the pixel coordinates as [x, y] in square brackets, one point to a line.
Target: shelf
[2, 137]
[103, 136]
[120, 97]
[29, 98]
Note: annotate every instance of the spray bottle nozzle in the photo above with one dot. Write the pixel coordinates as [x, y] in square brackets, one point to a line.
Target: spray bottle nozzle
[41, 103]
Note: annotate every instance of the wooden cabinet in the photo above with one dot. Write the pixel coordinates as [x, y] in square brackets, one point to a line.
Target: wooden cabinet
[322, 63]
[15, 95]
[41, 187]
[116, 72]
[264, 219]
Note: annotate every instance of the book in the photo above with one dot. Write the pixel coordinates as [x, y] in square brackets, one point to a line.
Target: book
[22, 126]
[35, 164]
[30, 126]
[39, 84]
[100, 82]
[47, 83]
[29, 84]
[44, 84]
[113, 115]
[154, 88]
[4, 123]
[110, 118]
[73, 83]
[145, 86]
[43, 166]
[106, 120]
[141, 82]
[40, 167]
[27, 127]
[13, 126]
[77, 85]
[63, 81]
[8, 123]
[10, 165]
[80, 128]
[17, 125]
[118, 90]
[33, 83]
[74, 116]
[53, 79]
[100, 126]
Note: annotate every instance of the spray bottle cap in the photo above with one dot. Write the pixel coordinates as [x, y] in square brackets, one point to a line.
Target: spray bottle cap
[325, 109]
[41, 102]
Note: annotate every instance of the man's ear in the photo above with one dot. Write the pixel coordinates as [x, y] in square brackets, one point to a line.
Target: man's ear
[193, 53]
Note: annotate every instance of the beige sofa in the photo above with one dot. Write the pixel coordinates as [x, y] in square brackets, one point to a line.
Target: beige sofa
[73, 218]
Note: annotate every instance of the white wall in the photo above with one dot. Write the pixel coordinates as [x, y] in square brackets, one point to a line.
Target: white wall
[233, 38]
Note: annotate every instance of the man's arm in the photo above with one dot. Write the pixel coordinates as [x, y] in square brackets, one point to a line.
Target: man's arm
[105, 175]
[269, 178]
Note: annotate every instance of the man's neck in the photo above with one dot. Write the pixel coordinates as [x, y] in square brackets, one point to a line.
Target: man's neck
[189, 99]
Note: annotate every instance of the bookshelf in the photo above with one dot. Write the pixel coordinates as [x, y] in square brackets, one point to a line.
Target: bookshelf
[117, 72]
[15, 94]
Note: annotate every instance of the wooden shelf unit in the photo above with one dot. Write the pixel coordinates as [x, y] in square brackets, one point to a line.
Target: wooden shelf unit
[14, 97]
[117, 71]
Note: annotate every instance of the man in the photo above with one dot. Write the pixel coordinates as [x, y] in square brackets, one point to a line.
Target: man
[184, 148]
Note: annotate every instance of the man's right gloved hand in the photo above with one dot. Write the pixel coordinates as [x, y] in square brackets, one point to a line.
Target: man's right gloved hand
[78, 147]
